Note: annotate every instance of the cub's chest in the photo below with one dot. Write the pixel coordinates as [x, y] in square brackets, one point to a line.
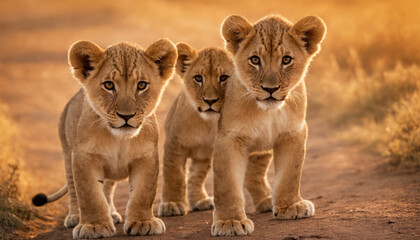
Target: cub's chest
[202, 146]
[264, 129]
[199, 139]
[195, 133]
[119, 156]
[117, 153]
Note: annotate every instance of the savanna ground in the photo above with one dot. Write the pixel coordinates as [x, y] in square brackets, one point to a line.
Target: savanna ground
[364, 109]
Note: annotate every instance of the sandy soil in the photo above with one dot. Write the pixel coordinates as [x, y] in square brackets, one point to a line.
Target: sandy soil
[356, 193]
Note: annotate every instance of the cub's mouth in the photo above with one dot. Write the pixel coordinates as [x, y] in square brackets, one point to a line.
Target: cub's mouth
[209, 110]
[270, 103]
[124, 127]
[271, 99]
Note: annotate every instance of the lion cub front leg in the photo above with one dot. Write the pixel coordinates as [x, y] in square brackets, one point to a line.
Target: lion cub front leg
[143, 179]
[109, 189]
[72, 218]
[229, 165]
[197, 195]
[95, 220]
[256, 181]
[174, 197]
[289, 156]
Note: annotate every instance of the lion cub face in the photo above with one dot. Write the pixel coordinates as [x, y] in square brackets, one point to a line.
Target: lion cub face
[123, 83]
[205, 74]
[272, 55]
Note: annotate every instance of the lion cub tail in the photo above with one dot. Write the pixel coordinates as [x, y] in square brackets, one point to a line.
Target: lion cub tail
[41, 199]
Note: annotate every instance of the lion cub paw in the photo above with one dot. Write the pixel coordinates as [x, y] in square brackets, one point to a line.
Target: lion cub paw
[167, 209]
[94, 230]
[116, 217]
[154, 226]
[265, 205]
[232, 227]
[203, 204]
[302, 209]
[71, 220]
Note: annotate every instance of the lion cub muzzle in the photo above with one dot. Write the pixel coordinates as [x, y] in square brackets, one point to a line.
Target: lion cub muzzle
[210, 102]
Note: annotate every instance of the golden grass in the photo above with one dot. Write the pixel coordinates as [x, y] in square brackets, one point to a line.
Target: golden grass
[367, 79]
[403, 132]
[8, 153]
[379, 109]
[13, 212]
[363, 95]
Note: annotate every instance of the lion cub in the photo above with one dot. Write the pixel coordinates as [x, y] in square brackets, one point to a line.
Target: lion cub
[264, 110]
[108, 130]
[191, 126]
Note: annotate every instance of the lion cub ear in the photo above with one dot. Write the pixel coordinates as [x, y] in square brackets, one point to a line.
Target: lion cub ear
[85, 58]
[234, 30]
[309, 32]
[185, 55]
[163, 53]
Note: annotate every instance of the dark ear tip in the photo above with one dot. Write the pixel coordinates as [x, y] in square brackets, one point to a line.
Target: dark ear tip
[39, 199]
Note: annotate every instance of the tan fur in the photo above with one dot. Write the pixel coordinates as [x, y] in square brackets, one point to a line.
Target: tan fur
[251, 123]
[101, 147]
[190, 129]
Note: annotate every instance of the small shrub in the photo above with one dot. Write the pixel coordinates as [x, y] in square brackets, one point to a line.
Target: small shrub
[403, 133]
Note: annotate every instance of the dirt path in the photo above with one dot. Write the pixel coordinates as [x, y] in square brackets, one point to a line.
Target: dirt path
[355, 194]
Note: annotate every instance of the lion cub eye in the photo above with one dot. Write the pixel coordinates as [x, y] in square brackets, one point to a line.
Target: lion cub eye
[142, 85]
[255, 60]
[198, 78]
[223, 78]
[109, 85]
[286, 60]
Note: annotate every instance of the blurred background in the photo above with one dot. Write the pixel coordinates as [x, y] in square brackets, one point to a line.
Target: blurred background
[365, 83]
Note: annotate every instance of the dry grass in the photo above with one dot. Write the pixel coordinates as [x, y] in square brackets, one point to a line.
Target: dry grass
[367, 80]
[379, 109]
[366, 96]
[403, 132]
[13, 212]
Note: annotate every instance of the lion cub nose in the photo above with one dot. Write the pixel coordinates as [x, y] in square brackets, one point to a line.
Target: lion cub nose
[125, 117]
[210, 101]
[270, 90]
